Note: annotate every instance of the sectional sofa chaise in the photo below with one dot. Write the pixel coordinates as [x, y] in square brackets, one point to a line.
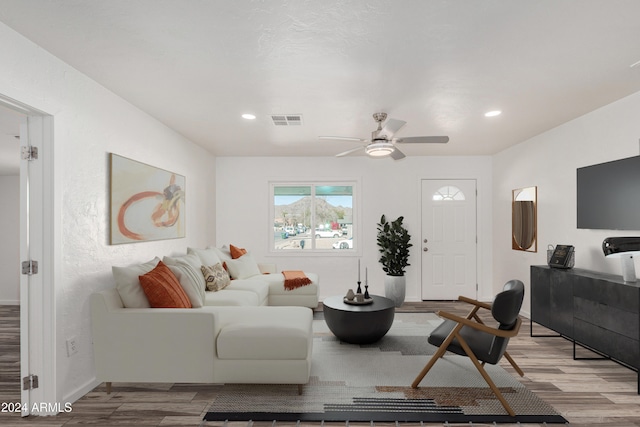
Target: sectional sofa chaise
[251, 331]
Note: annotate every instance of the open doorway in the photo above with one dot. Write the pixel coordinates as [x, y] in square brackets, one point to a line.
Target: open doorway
[10, 250]
[34, 223]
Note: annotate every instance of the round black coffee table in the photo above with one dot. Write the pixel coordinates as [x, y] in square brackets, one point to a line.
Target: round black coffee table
[358, 324]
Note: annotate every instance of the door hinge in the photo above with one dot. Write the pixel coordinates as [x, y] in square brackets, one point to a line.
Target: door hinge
[29, 153]
[30, 382]
[30, 267]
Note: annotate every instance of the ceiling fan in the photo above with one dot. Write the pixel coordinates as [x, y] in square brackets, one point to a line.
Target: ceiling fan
[382, 142]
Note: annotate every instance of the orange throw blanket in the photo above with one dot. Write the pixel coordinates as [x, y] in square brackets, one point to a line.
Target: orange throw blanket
[294, 279]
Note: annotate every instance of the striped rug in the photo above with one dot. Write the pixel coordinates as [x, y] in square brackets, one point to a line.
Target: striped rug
[363, 383]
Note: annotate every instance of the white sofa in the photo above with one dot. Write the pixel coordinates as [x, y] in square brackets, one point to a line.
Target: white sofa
[234, 335]
[255, 345]
[252, 283]
[245, 277]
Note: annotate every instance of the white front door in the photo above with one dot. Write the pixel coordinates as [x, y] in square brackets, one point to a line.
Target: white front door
[448, 241]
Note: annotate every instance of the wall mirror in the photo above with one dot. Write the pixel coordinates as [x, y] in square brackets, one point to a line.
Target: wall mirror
[524, 226]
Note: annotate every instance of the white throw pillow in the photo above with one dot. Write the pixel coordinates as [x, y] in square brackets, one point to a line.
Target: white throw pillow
[243, 267]
[128, 283]
[207, 256]
[223, 253]
[190, 266]
[191, 287]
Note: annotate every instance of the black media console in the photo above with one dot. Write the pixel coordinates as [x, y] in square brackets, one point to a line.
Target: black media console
[595, 310]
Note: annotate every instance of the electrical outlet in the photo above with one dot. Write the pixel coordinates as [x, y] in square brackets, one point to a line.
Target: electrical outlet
[72, 347]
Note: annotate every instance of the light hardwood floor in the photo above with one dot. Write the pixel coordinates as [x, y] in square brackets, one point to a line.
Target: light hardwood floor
[585, 392]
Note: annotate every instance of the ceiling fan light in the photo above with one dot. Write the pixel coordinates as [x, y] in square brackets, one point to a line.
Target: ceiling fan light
[379, 149]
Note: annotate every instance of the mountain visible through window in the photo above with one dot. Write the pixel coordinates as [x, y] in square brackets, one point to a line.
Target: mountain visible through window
[312, 217]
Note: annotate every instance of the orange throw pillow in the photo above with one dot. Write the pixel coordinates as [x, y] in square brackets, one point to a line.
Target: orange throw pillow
[236, 252]
[163, 289]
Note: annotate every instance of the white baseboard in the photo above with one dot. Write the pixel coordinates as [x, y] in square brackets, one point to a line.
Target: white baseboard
[82, 390]
[9, 302]
[66, 405]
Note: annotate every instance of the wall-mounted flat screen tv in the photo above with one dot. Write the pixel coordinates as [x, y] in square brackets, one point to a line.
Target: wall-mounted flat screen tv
[609, 195]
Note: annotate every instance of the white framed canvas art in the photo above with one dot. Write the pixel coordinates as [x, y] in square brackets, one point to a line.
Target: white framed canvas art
[147, 203]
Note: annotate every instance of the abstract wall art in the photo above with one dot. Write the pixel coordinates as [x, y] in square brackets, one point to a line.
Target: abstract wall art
[147, 203]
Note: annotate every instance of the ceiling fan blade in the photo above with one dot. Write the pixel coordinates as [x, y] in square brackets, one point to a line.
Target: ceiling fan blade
[353, 150]
[343, 138]
[397, 154]
[391, 127]
[423, 140]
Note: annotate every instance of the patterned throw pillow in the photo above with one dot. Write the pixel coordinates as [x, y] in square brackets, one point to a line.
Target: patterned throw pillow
[215, 277]
[163, 289]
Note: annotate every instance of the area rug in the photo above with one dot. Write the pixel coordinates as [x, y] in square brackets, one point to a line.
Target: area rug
[364, 383]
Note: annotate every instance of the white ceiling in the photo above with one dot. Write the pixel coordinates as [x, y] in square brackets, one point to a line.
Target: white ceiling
[197, 65]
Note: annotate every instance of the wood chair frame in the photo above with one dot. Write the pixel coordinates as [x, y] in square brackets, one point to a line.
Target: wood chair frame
[472, 320]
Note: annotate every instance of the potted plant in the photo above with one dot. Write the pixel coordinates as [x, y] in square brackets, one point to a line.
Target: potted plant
[393, 245]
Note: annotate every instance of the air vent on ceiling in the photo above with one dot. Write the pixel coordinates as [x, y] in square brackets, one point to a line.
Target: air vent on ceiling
[287, 119]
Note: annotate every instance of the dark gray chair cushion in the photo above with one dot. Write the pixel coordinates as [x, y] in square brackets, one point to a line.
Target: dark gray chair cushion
[487, 347]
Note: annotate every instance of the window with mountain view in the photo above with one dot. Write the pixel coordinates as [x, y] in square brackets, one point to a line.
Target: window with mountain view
[314, 217]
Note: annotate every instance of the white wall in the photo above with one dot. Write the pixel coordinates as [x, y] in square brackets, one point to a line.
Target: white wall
[388, 187]
[10, 236]
[549, 161]
[90, 122]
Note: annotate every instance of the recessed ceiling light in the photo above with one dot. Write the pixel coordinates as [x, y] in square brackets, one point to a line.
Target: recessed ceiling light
[249, 116]
[493, 113]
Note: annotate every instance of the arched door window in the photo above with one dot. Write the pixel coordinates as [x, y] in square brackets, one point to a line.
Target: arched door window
[448, 193]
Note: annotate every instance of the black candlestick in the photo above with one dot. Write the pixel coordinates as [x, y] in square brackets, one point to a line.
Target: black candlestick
[366, 291]
[359, 290]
